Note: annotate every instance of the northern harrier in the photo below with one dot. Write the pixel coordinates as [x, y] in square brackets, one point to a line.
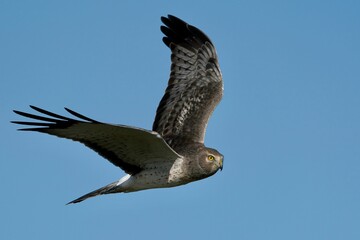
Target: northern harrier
[173, 153]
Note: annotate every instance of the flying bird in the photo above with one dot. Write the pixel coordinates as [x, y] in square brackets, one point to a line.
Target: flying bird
[173, 153]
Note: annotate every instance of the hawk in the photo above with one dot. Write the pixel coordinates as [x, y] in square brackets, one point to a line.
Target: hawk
[173, 153]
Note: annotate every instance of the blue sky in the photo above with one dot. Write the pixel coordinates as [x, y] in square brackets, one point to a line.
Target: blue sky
[288, 124]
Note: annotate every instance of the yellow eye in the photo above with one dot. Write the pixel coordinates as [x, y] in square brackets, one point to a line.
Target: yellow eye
[210, 157]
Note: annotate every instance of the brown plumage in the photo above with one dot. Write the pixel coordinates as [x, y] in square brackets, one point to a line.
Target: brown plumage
[195, 86]
[173, 153]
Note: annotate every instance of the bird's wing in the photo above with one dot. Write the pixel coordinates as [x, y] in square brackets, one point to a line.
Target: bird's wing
[131, 149]
[195, 86]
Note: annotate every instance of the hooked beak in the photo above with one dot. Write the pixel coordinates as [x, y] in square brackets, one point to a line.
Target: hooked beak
[221, 163]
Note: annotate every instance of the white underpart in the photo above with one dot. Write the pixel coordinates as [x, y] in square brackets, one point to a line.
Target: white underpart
[176, 171]
[123, 179]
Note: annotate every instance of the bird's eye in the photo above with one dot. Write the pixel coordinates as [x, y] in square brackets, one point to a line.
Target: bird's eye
[210, 157]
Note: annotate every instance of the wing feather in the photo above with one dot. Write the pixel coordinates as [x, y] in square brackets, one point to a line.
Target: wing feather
[195, 86]
[131, 149]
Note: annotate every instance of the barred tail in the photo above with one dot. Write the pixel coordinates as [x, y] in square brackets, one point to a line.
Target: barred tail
[104, 190]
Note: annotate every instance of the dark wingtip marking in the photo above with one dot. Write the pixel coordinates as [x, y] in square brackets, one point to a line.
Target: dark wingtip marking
[33, 129]
[52, 120]
[43, 111]
[72, 202]
[81, 116]
[164, 19]
[180, 32]
[32, 123]
[28, 115]
[80, 199]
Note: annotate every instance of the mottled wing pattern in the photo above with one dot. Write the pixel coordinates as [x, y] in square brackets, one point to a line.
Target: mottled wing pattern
[131, 149]
[195, 86]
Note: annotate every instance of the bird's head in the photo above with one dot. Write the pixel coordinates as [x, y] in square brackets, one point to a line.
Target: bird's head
[211, 161]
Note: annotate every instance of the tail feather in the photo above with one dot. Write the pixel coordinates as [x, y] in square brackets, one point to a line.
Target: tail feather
[104, 190]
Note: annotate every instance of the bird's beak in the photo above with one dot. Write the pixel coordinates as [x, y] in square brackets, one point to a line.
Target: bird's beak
[221, 163]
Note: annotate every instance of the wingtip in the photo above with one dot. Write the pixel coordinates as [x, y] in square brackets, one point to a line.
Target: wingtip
[69, 203]
[68, 110]
[17, 122]
[36, 108]
[174, 18]
[80, 199]
[76, 114]
[169, 19]
[17, 112]
[163, 18]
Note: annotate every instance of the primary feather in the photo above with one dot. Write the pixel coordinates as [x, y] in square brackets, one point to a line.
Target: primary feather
[195, 86]
[129, 148]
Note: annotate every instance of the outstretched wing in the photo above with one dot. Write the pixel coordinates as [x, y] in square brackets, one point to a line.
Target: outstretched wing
[131, 149]
[195, 86]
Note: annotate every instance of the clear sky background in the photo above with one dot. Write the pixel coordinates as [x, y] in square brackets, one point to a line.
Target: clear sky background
[288, 125]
